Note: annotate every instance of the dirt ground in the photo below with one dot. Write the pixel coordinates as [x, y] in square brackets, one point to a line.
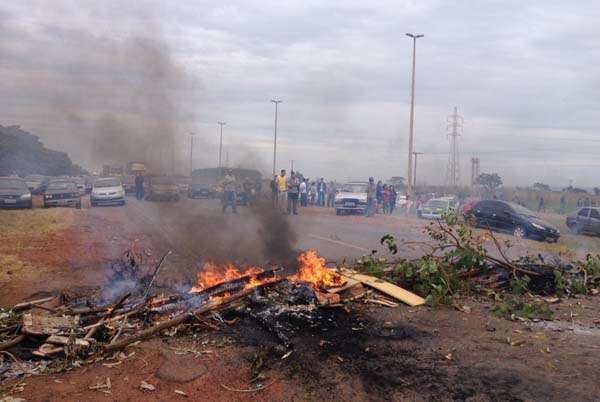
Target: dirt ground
[363, 352]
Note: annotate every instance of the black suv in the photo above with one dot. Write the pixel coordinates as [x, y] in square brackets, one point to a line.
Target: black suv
[587, 220]
[512, 218]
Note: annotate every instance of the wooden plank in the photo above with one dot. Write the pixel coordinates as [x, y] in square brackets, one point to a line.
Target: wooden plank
[349, 283]
[385, 287]
[29, 304]
[64, 340]
[47, 350]
[37, 325]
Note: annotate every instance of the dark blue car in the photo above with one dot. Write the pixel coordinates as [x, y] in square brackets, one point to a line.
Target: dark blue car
[502, 216]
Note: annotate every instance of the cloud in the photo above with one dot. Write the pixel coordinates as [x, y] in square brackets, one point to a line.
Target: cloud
[522, 75]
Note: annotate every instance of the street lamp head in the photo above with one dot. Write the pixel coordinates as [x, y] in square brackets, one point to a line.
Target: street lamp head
[276, 101]
[221, 123]
[415, 36]
[192, 134]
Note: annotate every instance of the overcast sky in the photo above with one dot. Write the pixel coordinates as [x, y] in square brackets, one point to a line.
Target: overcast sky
[524, 75]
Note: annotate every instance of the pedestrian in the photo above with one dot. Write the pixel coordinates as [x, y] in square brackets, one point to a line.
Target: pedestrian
[393, 199]
[229, 195]
[386, 198]
[541, 205]
[139, 186]
[274, 191]
[321, 189]
[282, 191]
[379, 196]
[371, 197]
[331, 191]
[313, 193]
[293, 190]
[303, 193]
[563, 204]
[248, 191]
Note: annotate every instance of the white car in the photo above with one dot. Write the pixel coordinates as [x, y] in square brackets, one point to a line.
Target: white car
[107, 191]
[351, 198]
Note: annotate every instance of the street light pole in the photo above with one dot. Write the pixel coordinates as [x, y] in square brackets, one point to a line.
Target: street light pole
[191, 152]
[415, 171]
[276, 102]
[412, 112]
[220, 123]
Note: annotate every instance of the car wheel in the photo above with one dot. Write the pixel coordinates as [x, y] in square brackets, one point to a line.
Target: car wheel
[78, 205]
[520, 232]
[338, 212]
[93, 204]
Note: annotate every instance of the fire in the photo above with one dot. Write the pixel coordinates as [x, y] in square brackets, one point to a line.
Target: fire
[312, 269]
[213, 274]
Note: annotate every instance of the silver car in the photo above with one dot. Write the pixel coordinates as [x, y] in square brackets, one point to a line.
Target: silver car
[107, 191]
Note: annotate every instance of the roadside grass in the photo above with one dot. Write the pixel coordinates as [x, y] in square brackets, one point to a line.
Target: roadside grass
[20, 229]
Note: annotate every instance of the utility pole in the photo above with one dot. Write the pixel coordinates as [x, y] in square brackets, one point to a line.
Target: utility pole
[220, 123]
[276, 102]
[292, 163]
[412, 112]
[455, 124]
[191, 152]
[415, 171]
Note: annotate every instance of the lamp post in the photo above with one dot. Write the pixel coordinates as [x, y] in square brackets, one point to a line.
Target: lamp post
[415, 172]
[220, 123]
[276, 102]
[412, 112]
[191, 152]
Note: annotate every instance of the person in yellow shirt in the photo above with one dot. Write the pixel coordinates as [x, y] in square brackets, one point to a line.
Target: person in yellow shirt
[282, 187]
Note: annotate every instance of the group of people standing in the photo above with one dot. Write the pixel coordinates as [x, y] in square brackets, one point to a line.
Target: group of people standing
[288, 193]
[381, 198]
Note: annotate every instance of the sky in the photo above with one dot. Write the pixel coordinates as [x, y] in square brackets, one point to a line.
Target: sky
[111, 80]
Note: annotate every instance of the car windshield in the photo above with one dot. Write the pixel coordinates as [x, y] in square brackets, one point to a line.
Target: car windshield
[354, 188]
[61, 185]
[436, 204]
[107, 183]
[13, 184]
[163, 180]
[521, 210]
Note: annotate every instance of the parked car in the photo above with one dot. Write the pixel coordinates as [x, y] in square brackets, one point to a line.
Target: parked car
[107, 191]
[435, 208]
[36, 183]
[512, 218]
[14, 193]
[162, 188]
[351, 198]
[586, 220]
[62, 193]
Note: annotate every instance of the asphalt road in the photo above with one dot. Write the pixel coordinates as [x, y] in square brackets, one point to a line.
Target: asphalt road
[198, 228]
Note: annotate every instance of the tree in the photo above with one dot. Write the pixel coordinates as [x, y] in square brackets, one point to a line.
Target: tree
[541, 187]
[491, 181]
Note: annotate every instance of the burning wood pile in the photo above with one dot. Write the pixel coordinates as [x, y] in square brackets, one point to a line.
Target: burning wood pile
[78, 325]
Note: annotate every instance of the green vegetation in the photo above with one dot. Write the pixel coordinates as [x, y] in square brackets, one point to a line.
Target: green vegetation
[22, 153]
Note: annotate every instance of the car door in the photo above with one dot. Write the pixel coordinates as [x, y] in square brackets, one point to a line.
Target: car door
[594, 221]
[583, 220]
[482, 211]
[502, 217]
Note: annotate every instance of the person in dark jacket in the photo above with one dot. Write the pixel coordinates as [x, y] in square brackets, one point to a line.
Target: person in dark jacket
[139, 186]
[379, 196]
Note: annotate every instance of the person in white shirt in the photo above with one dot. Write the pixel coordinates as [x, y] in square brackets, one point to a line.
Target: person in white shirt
[303, 194]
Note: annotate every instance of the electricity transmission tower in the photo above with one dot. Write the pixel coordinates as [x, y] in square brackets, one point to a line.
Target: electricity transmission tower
[455, 125]
[474, 170]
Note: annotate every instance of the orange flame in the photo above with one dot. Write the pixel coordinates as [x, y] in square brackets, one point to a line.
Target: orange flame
[312, 269]
[213, 274]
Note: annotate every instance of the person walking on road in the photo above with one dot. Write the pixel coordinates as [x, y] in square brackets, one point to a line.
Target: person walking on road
[274, 191]
[371, 190]
[386, 198]
[303, 193]
[139, 186]
[563, 204]
[378, 196]
[293, 191]
[321, 189]
[542, 205]
[331, 190]
[282, 191]
[229, 195]
[393, 199]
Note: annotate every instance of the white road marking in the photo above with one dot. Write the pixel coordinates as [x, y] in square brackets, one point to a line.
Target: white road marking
[341, 243]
